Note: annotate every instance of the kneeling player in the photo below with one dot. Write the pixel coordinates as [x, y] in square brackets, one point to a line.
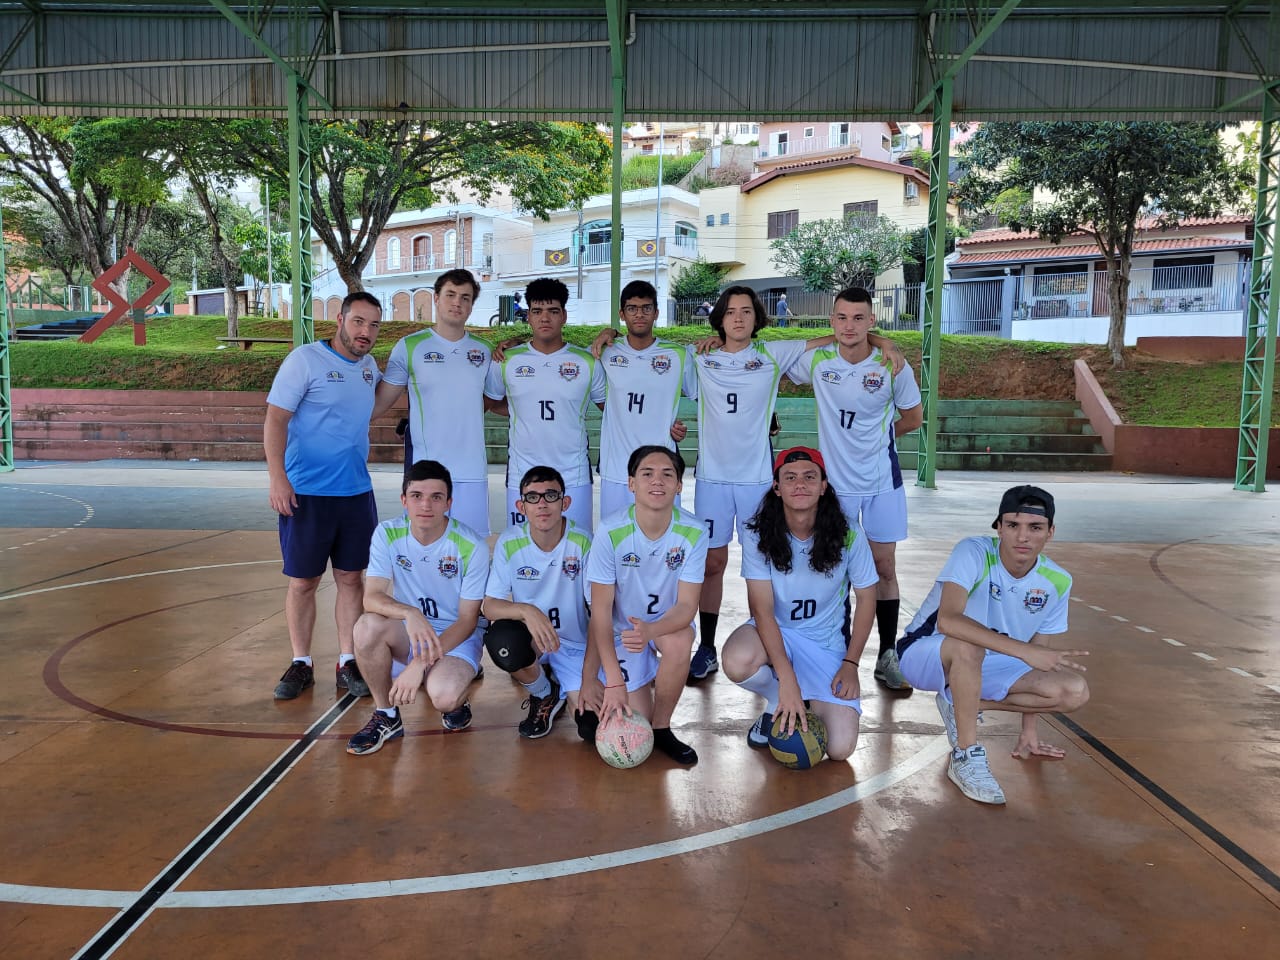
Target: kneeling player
[980, 639]
[799, 560]
[536, 607]
[645, 573]
[422, 601]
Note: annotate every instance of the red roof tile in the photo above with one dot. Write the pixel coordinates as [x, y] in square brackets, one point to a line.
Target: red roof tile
[1090, 251]
[823, 163]
[1004, 234]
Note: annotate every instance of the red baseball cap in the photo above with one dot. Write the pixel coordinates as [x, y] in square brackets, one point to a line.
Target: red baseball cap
[799, 453]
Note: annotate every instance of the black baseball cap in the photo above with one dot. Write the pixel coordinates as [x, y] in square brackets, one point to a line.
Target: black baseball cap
[1025, 499]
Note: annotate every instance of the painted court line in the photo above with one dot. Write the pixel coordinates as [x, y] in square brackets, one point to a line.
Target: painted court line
[1143, 629]
[1174, 643]
[1099, 609]
[1273, 687]
[1116, 616]
[135, 576]
[1243, 673]
[1204, 656]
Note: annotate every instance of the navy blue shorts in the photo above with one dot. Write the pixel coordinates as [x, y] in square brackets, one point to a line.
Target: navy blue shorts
[324, 529]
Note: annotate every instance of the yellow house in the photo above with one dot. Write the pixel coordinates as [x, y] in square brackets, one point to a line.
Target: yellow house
[738, 222]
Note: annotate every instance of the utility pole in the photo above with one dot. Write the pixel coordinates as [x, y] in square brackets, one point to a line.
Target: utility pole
[657, 232]
[580, 250]
[266, 209]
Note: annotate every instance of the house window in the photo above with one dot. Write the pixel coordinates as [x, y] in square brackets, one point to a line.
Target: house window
[393, 253]
[780, 141]
[1182, 273]
[724, 219]
[451, 247]
[593, 245]
[808, 133]
[422, 253]
[910, 189]
[1060, 279]
[886, 144]
[862, 208]
[744, 129]
[686, 235]
[711, 219]
[782, 223]
[839, 134]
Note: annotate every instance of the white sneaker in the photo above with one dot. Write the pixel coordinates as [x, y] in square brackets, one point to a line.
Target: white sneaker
[969, 771]
[889, 672]
[948, 711]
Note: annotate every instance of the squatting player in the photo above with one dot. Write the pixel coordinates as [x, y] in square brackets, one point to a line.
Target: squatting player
[547, 384]
[645, 573]
[980, 639]
[422, 597]
[800, 558]
[537, 611]
[858, 392]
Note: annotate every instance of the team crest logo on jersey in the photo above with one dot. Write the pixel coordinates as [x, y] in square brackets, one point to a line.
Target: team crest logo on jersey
[660, 364]
[630, 559]
[873, 381]
[1035, 600]
[448, 567]
[524, 370]
[618, 360]
[675, 558]
[404, 562]
[569, 371]
[367, 375]
[475, 358]
[526, 573]
[334, 376]
[755, 363]
[830, 376]
[571, 567]
[712, 364]
[433, 356]
[994, 591]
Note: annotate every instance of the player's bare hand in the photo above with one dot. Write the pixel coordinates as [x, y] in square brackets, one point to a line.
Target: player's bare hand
[602, 340]
[895, 356]
[424, 642]
[1032, 746]
[499, 353]
[790, 712]
[707, 345]
[545, 638]
[678, 430]
[845, 684]
[591, 694]
[633, 639]
[282, 498]
[1042, 658]
[404, 688]
[613, 702]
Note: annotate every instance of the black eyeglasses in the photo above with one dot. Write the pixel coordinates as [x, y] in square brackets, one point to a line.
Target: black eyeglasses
[641, 310]
[533, 496]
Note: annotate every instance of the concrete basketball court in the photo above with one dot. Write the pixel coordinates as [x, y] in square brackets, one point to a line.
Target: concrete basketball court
[158, 802]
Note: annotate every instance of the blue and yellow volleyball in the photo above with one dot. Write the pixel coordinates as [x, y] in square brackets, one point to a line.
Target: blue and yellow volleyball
[802, 749]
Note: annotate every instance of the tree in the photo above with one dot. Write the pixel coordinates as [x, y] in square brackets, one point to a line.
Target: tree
[830, 255]
[175, 236]
[1100, 179]
[252, 237]
[43, 242]
[699, 278]
[365, 170]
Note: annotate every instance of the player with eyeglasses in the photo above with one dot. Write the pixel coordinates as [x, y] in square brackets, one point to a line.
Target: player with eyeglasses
[645, 377]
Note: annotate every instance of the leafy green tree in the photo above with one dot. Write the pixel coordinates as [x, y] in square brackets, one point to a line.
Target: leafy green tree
[699, 278]
[252, 237]
[829, 255]
[175, 235]
[42, 242]
[365, 170]
[1101, 178]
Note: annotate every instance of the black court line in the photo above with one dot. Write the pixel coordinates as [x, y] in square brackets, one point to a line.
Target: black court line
[1220, 839]
[114, 933]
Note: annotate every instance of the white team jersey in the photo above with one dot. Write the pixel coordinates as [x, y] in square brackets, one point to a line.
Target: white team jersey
[806, 603]
[1017, 608]
[433, 577]
[644, 388]
[552, 582]
[736, 396]
[547, 397]
[646, 574]
[445, 383]
[856, 404]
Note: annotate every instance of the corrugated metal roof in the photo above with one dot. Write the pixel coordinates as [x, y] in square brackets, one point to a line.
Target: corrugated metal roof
[1090, 251]
[752, 59]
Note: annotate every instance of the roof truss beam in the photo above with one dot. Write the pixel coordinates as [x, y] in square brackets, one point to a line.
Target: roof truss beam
[255, 38]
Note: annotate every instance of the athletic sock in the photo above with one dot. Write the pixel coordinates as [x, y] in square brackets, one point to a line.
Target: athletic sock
[673, 747]
[887, 622]
[345, 658]
[306, 660]
[389, 712]
[707, 628]
[540, 687]
[587, 722]
[764, 683]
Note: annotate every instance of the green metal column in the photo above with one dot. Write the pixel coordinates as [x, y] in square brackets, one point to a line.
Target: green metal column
[6, 407]
[1262, 310]
[300, 215]
[935, 252]
[618, 59]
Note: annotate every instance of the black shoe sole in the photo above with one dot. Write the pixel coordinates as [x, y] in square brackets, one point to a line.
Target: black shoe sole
[286, 695]
[555, 711]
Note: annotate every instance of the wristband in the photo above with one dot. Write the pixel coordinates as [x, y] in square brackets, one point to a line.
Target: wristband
[847, 660]
[614, 686]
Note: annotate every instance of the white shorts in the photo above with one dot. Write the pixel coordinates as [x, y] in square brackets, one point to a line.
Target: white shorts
[638, 669]
[566, 663]
[579, 506]
[468, 651]
[882, 517]
[616, 497]
[815, 667]
[921, 664]
[719, 504]
[471, 504]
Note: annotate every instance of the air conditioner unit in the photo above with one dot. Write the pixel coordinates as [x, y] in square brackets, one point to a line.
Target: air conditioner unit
[910, 189]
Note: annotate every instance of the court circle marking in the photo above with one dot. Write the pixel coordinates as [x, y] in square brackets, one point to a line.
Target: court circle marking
[417, 886]
[88, 515]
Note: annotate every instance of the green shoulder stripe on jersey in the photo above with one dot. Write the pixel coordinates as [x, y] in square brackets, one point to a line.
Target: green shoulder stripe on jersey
[510, 547]
[819, 355]
[581, 539]
[583, 353]
[687, 530]
[394, 532]
[992, 558]
[466, 548]
[620, 533]
[850, 537]
[1061, 581]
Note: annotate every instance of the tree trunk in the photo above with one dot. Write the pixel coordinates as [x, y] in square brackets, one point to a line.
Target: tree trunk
[230, 280]
[350, 274]
[1118, 295]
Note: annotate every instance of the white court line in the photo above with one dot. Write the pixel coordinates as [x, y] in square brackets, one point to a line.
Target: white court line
[88, 515]
[1272, 686]
[1204, 656]
[1174, 643]
[1243, 673]
[1116, 616]
[1099, 609]
[68, 896]
[134, 576]
[1143, 629]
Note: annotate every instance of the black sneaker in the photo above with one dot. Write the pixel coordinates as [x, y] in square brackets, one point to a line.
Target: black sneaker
[458, 719]
[375, 733]
[350, 680]
[704, 663]
[758, 735]
[587, 721]
[297, 678]
[680, 752]
[542, 711]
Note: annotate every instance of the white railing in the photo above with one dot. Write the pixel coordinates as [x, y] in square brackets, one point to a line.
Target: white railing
[802, 146]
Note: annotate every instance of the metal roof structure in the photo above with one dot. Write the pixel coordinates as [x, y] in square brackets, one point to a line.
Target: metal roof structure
[756, 59]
